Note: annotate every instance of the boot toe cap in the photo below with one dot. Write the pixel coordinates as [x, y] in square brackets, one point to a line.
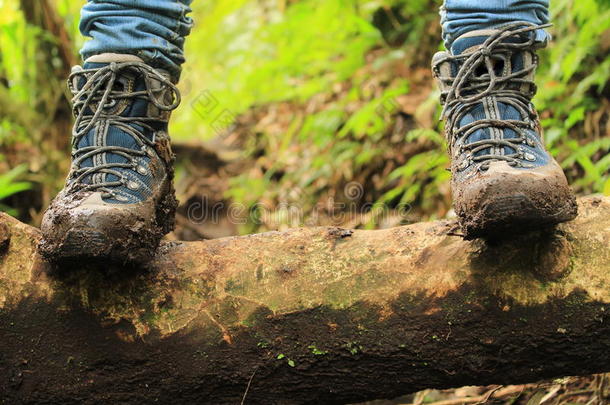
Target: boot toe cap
[507, 198]
[92, 230]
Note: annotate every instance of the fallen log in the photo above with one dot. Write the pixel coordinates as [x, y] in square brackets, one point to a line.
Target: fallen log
[306, 316]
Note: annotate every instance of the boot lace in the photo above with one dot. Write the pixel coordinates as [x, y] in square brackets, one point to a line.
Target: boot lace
[94, 101]
[468, 88]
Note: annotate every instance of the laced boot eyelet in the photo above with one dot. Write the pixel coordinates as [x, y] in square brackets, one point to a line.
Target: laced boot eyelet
[132, 185]
[150, 152]
[137, 167]
[464, 164]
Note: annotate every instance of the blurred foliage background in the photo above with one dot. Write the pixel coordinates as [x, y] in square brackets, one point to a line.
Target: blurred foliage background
[298, 112]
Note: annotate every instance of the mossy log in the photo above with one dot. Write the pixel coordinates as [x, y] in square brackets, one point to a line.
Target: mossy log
[306, 316]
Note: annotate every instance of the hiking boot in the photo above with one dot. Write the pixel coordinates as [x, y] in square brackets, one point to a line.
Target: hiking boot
[503, 179]
[118, 200]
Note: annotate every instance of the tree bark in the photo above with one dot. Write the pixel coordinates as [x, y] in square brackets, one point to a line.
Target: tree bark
[306, 316]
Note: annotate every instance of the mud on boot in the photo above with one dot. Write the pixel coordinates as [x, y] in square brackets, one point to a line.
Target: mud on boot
[503, 179]
[118, 201]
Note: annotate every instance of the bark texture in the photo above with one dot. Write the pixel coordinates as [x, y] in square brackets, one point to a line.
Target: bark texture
[307, 316]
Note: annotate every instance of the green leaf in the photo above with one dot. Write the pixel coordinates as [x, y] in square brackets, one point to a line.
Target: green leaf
[8, 185]
[14, 188]
[576, 116]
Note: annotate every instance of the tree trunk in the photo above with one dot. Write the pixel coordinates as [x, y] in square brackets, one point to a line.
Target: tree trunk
[307, 316]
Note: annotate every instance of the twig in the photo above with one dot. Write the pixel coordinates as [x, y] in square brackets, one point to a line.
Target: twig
[497, 392]
[573, 393]
[243, 400]
[489, 394]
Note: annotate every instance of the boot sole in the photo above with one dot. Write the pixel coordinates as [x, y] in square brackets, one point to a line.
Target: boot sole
[84, 245]
[508, 216]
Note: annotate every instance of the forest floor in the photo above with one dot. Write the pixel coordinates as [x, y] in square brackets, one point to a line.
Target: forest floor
[591, 390]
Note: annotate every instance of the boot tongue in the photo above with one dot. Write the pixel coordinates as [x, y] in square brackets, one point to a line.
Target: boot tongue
[470, 41]
[127, 79]
[104, 59]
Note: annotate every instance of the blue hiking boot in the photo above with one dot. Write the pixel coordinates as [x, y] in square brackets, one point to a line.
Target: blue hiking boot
[503, 179]
[118, 200]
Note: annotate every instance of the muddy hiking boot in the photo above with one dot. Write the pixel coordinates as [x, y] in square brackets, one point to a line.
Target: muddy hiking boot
[118, 200]
[503, 179]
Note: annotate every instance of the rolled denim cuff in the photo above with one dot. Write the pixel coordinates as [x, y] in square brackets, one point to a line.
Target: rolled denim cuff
[461, 16]
[153, 30]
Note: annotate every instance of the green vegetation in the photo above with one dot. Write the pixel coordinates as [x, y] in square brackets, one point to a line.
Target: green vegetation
[573, 96]
[316, 351]
[353, 347]
[290, 362]
[34, 111]
[317, 127]
[8, 186]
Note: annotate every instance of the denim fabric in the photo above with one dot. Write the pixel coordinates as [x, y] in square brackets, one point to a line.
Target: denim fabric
[154, 30]
[461, 16]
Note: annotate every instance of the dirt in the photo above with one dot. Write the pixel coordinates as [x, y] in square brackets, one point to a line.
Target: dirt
[120, 235]
[502, 201]
[5, 237]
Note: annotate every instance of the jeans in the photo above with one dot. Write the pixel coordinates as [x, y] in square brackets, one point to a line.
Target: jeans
[155, 30]
[461, 16]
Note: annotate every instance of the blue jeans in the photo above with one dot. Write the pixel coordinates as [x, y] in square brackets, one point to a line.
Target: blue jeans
[155, 29]
[461, 16]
